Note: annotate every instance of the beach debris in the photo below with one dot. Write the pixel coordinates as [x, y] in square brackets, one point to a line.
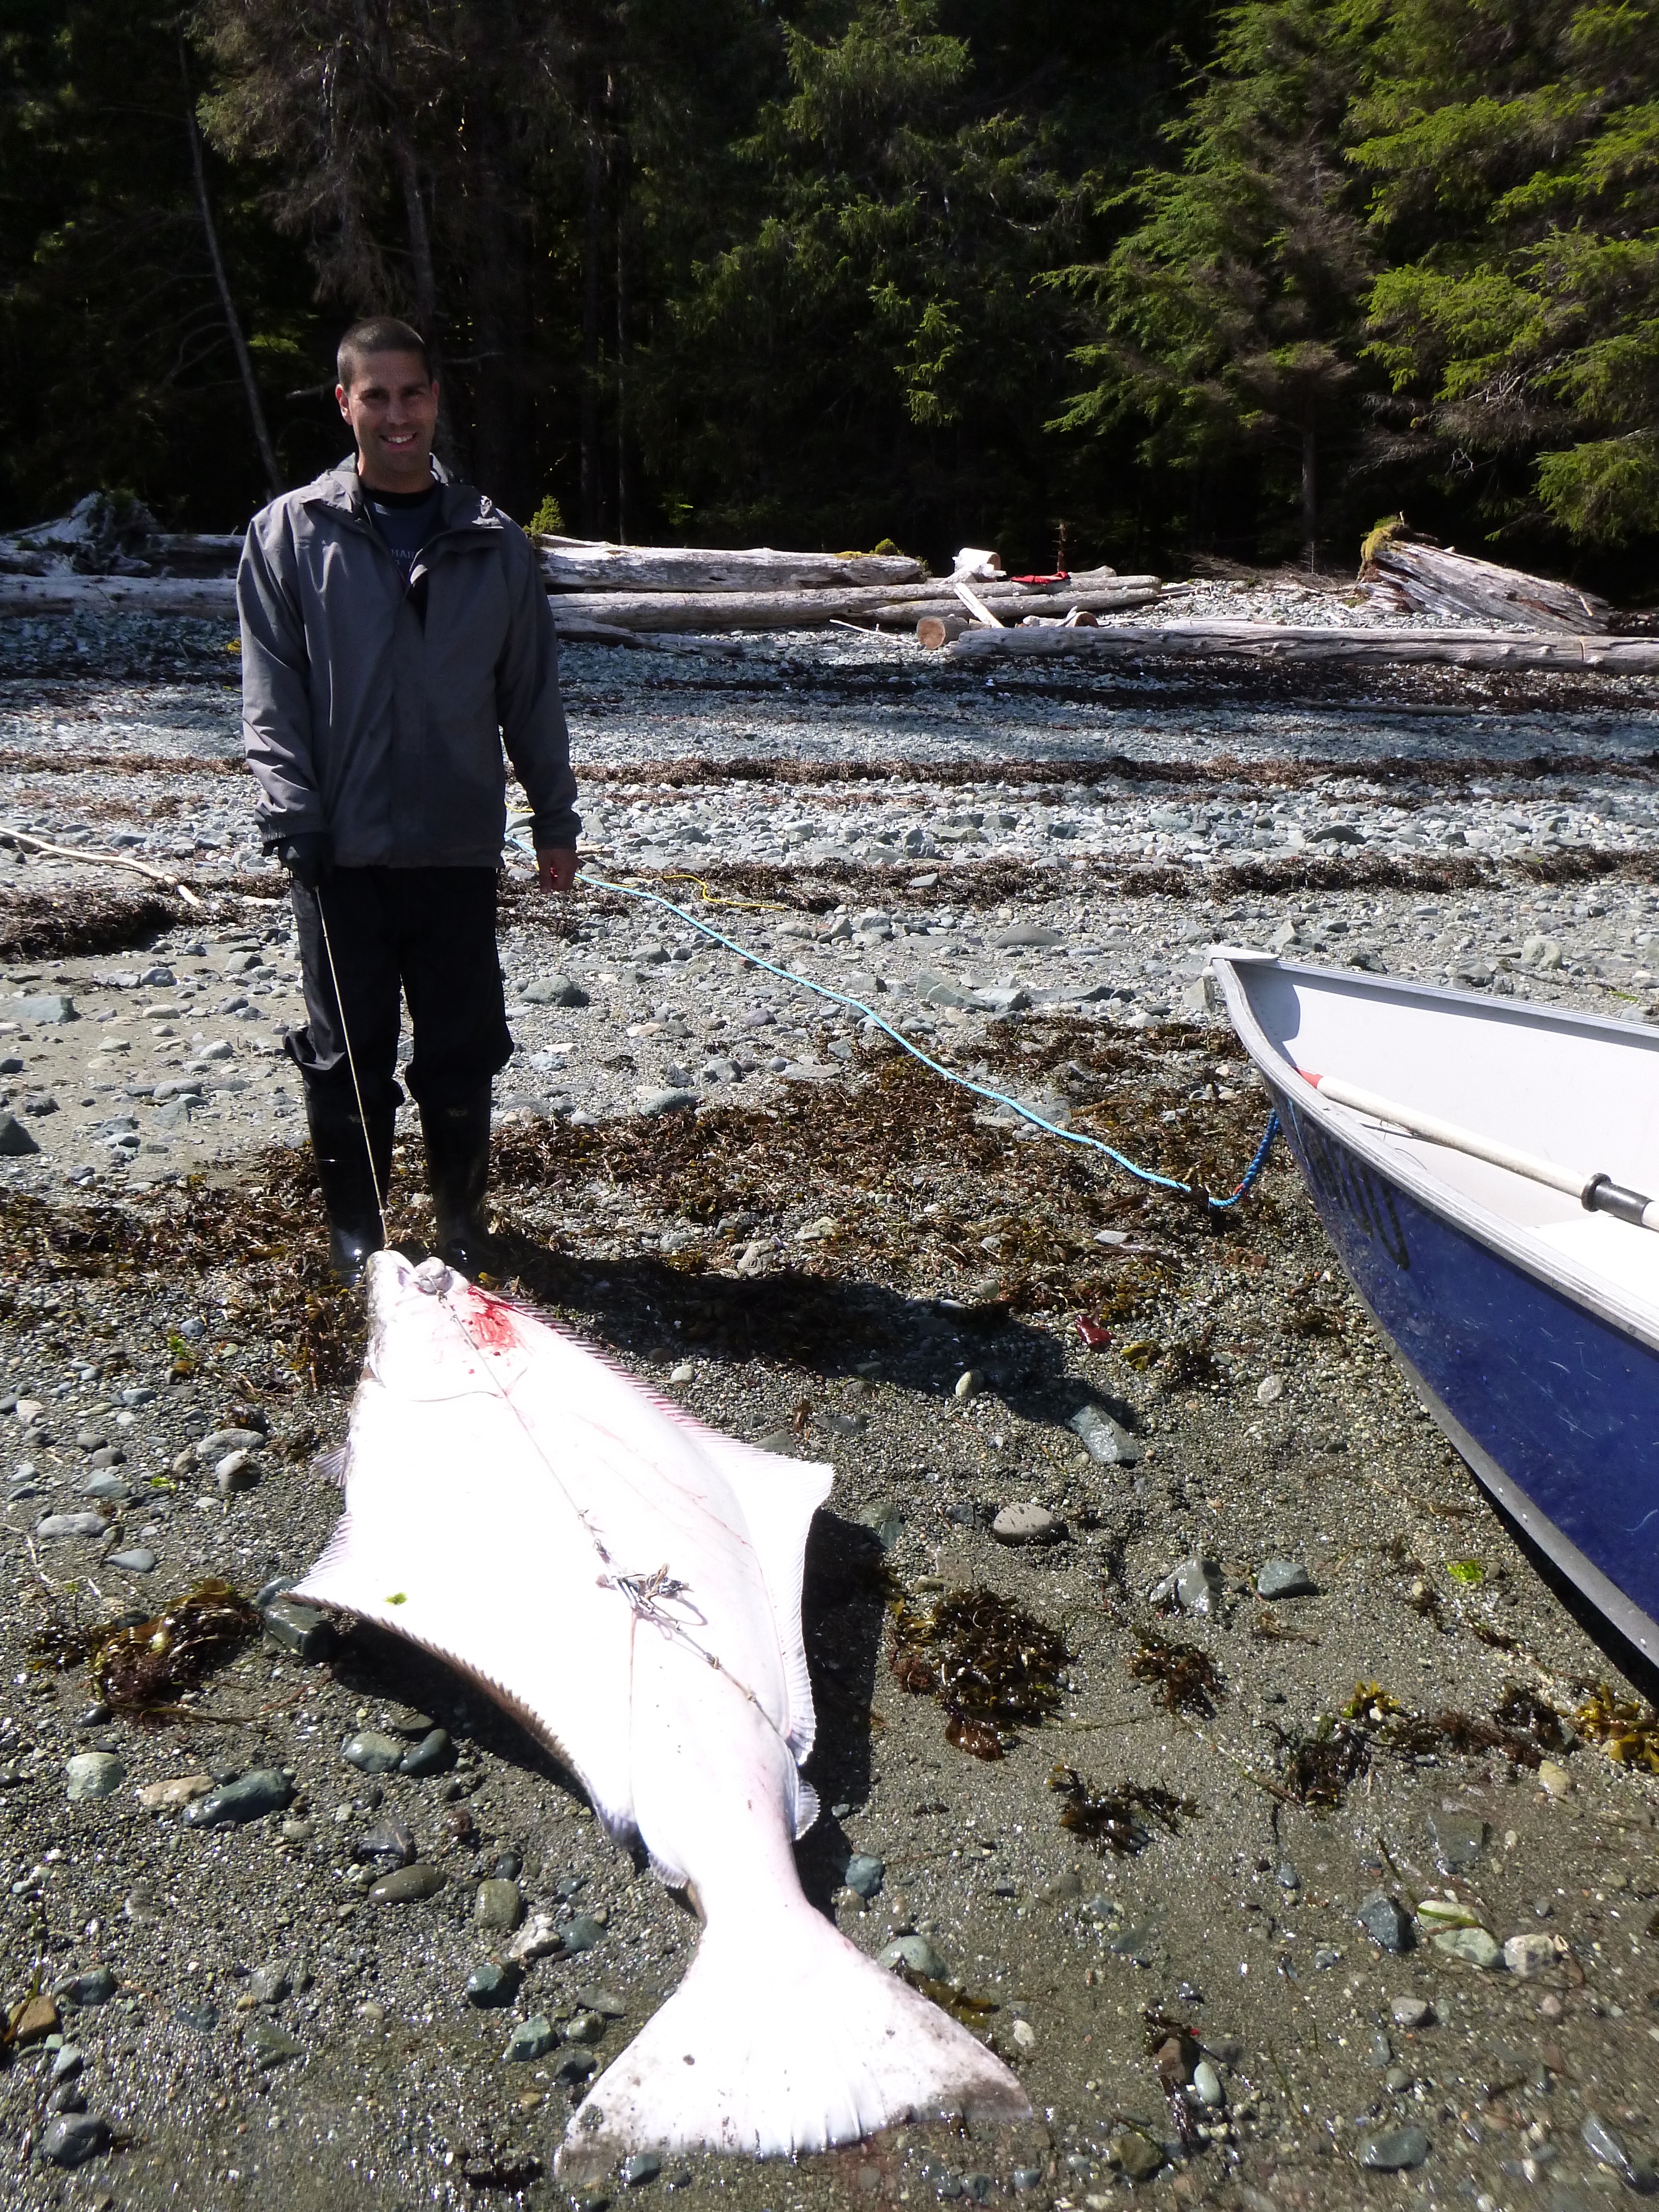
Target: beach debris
[993, 1666]
[1117, 1819]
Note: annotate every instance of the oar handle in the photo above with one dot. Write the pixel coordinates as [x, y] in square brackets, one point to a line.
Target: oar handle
[1596, 1193]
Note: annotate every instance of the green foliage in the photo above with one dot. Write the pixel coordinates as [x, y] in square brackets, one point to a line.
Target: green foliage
[549, 519]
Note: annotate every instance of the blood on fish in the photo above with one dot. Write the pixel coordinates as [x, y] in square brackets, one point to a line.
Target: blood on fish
[491, 1320]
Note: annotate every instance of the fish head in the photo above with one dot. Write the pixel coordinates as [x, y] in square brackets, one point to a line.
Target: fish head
[415, 1348]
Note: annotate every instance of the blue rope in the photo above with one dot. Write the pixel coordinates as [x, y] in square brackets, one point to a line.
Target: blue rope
[1252, 1174]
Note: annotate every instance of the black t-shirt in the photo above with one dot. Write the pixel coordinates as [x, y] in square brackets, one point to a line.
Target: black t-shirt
[405, 520]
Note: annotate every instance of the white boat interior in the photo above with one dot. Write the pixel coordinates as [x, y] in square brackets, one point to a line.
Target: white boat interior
[1579, 1091]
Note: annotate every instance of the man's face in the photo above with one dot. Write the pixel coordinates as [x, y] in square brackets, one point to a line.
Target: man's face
[392, 410]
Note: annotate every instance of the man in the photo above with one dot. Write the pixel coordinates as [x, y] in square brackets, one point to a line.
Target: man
[395, 634]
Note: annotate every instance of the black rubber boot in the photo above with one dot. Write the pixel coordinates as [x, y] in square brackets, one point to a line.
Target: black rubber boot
[458, 1171]
[350, 1168]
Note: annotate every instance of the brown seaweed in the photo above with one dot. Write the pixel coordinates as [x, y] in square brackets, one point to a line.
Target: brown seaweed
[1627, 1731]
[1184, 1678]
[1117, 1819]
[993, 1666]
[137, 1669]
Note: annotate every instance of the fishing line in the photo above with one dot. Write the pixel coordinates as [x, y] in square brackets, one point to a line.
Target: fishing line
[1252, 1174]
[351, 1063]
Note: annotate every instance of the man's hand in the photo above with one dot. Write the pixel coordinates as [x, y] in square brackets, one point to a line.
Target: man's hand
[308, 856]
[556, 865]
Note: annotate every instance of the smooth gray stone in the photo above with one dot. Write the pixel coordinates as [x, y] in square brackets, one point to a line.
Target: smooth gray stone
[641, 2166]
[16, 1142]
[1197, 1586]
[934, 990]
[1411, 2012]
[574, 2064]
[1387, 1922]
[555, 991]
[96, 1987]
[272, 2045]
[51, 1006]
[584, 2027]
[531, 2039]
[1459, 1840]
[1026, 933]
[138, 1561]
[492, 1984]
[582, 1934]
[106, 1456]
[864, 1874]
[388, 1839]
[92, 1774]
[672, 1100]
[104, 1484]
[408, 1886]
[499, 1907]
[1003, 998]
[67, 2064]
[372, 1752]
[1277, 1578]
[299, 1628]
[54, 1525]
[1106, 1441]
[1474, 1947]
[916, 1953]
[605, 2003]
[1394, 2150]
[74, 2138]
[214, 1446]
[1026, 1522]
[262, 1789]
[430, 1756]
[268, 1984]
[90, 1439]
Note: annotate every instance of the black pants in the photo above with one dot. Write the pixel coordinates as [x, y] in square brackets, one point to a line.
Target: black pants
[429, 932]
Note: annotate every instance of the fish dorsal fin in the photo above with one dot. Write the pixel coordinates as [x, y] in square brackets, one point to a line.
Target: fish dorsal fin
[779, 1497]
[332, 1466]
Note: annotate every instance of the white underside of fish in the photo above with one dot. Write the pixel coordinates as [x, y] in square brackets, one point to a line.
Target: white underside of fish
[628, 1584]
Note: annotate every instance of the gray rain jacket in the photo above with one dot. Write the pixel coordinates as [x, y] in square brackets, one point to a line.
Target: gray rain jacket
[378, 715]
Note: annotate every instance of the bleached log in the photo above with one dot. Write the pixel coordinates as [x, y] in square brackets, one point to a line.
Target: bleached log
[905, 602]
[578, 564]
[142, 595]
[1434, 579]
[1280, 643]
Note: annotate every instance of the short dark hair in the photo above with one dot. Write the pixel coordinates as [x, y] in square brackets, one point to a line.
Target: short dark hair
[379, 334]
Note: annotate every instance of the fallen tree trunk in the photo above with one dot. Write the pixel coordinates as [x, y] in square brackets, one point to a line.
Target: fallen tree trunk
[1433, 580]
[148, 595]
[1281, 643]
[905, 602]
[580, 564]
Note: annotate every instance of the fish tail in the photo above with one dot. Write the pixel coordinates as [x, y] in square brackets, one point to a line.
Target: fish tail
[779, 2040]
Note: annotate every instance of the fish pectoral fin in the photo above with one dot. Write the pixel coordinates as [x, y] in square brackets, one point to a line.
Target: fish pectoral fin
[331, 1467]
[807, 1807]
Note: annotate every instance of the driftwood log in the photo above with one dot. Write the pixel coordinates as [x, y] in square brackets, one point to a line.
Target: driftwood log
[1418, 578]
[69, 594]
[579, 564]
[904, 603]
[1285, 642]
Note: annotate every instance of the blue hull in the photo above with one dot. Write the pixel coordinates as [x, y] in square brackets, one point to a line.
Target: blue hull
[1556, 1409]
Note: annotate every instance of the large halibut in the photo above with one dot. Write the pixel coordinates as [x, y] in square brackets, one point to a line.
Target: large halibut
[514, 1500]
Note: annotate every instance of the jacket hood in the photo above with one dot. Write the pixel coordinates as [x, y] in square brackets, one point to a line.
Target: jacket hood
[341, 489]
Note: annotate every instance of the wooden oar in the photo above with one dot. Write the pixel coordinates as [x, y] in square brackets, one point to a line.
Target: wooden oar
[1596, 1193]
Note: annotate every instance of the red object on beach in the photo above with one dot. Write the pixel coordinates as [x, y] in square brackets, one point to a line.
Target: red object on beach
[1060, 576]
[1094, 1334]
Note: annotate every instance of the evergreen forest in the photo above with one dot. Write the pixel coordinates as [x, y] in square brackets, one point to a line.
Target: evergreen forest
[1078, 279]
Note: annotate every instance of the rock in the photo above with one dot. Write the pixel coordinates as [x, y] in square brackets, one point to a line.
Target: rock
[539, 1938]
[1195, 1585]
[1387, 1922]
[1206, 2082]
[574, 2064]
[583, 1934]
[271, 2046]
[1105, 1440]
[1608, 2149]
[89, 1439]
[299, 1628]
[1531, 1955]
[531, 2039]
[492, 1984]
[92, 1774]
[1553, 1778]
[73, 2138]
[430, 1755]
[408, 1885]
[1473, 1947]
[1459, 1840]
[605, 2003]
[96, 1987]
[674, 1100]
[237, 1470]
[642, 2165]
[970, 1384]
[1279, 1579]
[1137, 2155]
[1411, 2012]
[215, 1447]
[144, 1905]
[555, 991]
[175, 1793]
[387, 1839]
[372, 1752]
[1002, 998]
[51, 1007]
[139, 1560]
[1025, 1523]
[1269, 1389]
[67, 2064]
[269, 1984]
[864, 1874]
[1394, 2150]
[262, 1789]
[103, 1485]
[53, 1525]
[498, 1906]
[584, 2027]
[934, 990]
[916, 1953]
[38, 2019]
[1028, 934]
